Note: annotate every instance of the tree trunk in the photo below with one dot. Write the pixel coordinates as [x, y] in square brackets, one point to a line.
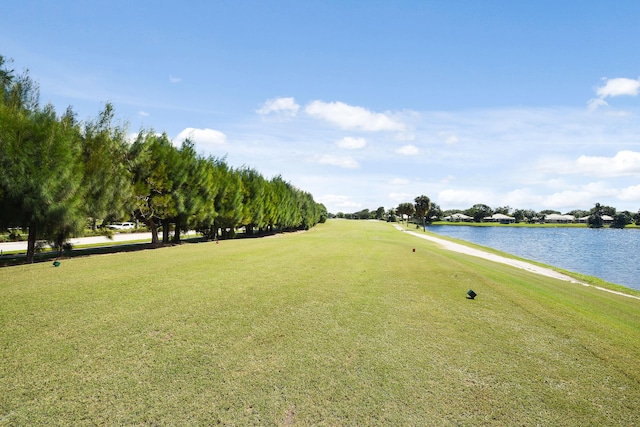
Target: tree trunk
[176, 234]
[31, 243]
[154, 232]
[165, 232]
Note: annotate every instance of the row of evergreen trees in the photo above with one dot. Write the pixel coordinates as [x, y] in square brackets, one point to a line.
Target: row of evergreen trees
[57, 173]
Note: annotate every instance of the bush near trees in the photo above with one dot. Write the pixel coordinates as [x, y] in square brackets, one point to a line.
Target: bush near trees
[57, 175]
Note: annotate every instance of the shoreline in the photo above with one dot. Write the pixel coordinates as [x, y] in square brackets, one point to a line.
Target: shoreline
[536, 269]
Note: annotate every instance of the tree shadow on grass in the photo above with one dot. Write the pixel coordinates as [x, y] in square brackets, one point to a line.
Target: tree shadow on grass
[51, 256]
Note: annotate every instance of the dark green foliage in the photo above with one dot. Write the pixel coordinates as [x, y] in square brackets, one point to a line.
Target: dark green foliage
[620, 220]
[407, 209]
[55, 174]
[40, 165]
[595, 219]
[435, 212]
[479, 212]
[107, 180]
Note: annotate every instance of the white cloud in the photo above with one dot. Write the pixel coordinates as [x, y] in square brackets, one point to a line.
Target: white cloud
[624, 163]
[351, 117]
[174, 80]
[286, 107]
[630, 194]
[408, 150]
[343, 162]
[143, 114]
[131, 137]
[202, 137]
[351, 143]
[619, 87]
[520, 198]
[584, 196]
[568, 199]
[525, 158]
[614, 87]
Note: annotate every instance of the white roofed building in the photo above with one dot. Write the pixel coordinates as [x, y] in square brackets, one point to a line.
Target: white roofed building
[501, 218]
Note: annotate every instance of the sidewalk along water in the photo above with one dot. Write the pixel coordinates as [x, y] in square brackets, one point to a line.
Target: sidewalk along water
[606, 253]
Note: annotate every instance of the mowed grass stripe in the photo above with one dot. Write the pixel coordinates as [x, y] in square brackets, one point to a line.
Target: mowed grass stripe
[340, 325]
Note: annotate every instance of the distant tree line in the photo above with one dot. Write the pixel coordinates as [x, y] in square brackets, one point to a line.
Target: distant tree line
[423, 210]
[57, 175]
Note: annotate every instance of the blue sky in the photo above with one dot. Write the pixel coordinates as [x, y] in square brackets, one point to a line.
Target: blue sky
[364, 103]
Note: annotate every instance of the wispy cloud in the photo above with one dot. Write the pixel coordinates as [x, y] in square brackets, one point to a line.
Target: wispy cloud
[463, 198]
[401, 197]
[408, 150]
[351, 143]
[286, 107]
[449, 139]
[175, 80]
[352, 117]
[204, 138]
[399, 181]
[595, 103]
[343, 162]
[143, 114]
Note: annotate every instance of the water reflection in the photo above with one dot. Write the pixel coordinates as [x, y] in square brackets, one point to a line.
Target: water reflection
[605, 253]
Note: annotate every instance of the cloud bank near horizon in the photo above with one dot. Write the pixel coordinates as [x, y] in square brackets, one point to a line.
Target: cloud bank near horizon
[539, 158]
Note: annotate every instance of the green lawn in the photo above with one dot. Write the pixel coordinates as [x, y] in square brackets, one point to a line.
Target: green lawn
[341, 325]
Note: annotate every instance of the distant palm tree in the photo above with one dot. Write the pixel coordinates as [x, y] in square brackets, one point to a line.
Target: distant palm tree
[423, 204]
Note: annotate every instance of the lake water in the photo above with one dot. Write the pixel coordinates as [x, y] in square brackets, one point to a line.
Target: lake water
[610, 254]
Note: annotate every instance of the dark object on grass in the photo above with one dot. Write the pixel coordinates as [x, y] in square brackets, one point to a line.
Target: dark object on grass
[414, 249]
[56, 263]
[471, 294]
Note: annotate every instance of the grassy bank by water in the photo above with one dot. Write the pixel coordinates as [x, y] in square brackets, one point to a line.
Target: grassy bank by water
[591, 280]
[520, 224]
[341, 325]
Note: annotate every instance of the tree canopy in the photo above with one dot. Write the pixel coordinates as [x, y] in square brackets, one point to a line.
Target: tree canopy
[58, 176]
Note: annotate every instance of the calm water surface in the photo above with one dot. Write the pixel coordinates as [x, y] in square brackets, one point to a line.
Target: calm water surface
[609, 254]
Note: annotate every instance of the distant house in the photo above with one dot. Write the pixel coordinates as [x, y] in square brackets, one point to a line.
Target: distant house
[606, 219]
[458, 217]
[501, 218]
[559, 219]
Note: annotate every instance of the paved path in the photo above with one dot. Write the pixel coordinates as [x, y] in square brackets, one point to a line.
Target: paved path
[117, 238]
[509, 261]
